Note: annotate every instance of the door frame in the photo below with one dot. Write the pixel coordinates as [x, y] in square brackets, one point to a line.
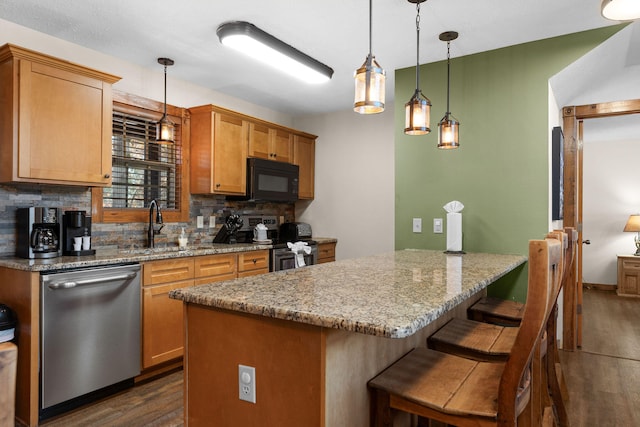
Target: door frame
[573, 117]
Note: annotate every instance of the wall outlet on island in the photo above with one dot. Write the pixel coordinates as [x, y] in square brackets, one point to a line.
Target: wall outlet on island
[247, 383]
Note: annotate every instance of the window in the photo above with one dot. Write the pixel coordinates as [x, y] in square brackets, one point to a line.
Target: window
[141, 169]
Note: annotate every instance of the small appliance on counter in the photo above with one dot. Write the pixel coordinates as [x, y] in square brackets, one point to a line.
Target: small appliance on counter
[76, 232]
[39, 231]
[294, 231]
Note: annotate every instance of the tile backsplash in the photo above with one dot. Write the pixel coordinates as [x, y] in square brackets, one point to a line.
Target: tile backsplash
[124, 235]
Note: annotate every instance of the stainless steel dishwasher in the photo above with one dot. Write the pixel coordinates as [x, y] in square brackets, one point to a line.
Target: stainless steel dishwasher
[90, 333]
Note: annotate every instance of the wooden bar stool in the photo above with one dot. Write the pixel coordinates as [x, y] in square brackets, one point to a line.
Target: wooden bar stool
[464, 392]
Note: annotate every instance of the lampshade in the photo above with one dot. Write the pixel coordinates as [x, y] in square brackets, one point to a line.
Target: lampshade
[633, 223]
[621, 10]
[252, 41]
[448, 135]
[418, 109]
[369, 82]
[165, 129]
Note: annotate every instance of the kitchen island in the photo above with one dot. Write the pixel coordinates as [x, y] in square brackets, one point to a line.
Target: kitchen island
[316, 335]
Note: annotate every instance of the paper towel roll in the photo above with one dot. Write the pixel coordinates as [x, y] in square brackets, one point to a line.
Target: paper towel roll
[454, 232]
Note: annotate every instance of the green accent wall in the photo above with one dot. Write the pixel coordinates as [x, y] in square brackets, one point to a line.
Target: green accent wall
[501, 170]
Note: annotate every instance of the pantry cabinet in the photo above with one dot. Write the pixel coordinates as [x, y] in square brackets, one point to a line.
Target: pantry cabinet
[304, 152]
[55, 120]
[270, 143]
[219, 141]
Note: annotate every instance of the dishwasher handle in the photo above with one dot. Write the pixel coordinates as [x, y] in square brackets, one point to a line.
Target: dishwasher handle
[67, 284]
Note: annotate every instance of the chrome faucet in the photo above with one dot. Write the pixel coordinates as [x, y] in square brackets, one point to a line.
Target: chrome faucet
[152, 230]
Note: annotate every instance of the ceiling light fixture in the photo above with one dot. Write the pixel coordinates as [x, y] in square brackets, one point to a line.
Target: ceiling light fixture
[449, 125]
[165, 129]
[370, 78]
[251, 40]
[621, 10]
[418, 109]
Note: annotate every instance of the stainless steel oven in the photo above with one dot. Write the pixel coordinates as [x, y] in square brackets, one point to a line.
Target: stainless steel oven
[283, 259]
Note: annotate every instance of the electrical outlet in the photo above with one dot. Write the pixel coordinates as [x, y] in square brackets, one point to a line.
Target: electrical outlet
[199, 221]
[437, 225]
[247, 383]
[212, 221]
[417, 225]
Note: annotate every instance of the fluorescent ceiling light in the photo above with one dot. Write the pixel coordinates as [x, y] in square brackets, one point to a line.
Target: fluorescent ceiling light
[621, 10]
[252, 41]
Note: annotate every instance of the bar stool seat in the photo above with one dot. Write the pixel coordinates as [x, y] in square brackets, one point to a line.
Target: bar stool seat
[497, 310]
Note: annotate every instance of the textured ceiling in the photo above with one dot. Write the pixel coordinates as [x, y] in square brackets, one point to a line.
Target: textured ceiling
[333, 31]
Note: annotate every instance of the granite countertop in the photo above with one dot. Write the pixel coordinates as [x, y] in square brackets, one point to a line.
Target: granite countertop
[116, 256]
[389, 295]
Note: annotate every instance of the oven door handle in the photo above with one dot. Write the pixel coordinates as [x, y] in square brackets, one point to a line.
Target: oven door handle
[68, 284]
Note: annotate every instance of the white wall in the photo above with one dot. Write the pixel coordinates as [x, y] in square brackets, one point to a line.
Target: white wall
[611, 193]
[354, 186]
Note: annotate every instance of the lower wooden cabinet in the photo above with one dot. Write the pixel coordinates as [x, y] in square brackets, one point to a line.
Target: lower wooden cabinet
[326, 252]
[162, 317]
[628, 275]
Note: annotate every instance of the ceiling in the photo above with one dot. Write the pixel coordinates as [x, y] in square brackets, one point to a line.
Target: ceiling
[334, 32]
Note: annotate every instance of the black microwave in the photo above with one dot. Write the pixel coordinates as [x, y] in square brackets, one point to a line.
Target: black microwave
[269, 181]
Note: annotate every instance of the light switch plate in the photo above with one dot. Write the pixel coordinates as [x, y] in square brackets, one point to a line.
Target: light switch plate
[199, 221]
[212, 221]
[417, 225]
[437, 225]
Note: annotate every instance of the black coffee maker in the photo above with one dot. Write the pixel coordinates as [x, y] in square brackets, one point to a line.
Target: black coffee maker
[76, 233]
[39, 231]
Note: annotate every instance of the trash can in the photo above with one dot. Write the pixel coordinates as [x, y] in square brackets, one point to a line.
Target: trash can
[7, 323]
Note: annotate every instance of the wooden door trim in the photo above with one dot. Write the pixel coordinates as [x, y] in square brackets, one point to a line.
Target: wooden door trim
[572, 115]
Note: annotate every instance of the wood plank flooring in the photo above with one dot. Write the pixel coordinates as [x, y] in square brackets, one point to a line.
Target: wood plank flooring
[603, 378]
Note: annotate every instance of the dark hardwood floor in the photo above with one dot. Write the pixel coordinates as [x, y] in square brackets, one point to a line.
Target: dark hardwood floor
[603, 377]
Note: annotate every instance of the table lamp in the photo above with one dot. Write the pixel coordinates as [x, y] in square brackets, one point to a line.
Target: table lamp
[633, 224]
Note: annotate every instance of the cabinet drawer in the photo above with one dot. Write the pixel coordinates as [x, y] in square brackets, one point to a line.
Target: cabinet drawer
[255, 260]
[327, 250]
[215, 265]
[171, 270]
[630, 264]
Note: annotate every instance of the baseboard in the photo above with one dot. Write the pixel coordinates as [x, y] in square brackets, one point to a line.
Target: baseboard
[600, 287]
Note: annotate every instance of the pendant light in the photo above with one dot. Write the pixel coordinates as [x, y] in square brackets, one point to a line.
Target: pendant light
[449, 125]
[418, 109]
[165, 129]
[369, 80]
[620, 10]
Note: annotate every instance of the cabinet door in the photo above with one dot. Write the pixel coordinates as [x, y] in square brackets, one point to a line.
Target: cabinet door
[281, 146]
[259, 137]
[253, 263]
[64, 126]
[230, 154]
[628, 276]
[326, 252]
[215, 268]
[304, 157]
[162, 324]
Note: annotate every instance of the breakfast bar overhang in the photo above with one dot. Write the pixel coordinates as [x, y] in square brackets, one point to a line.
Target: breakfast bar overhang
[316, 335]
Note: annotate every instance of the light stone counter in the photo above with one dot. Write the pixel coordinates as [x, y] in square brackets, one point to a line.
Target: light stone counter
[392, 295]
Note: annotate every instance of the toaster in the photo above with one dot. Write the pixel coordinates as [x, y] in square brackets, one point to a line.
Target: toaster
[294, 231]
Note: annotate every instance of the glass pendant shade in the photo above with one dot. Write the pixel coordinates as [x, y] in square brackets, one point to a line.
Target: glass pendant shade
[417, 114]
[621, 10]
[370, 81]
[165, 131]
[448, 133]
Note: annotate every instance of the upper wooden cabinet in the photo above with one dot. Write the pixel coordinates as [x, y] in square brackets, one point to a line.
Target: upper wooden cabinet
[218, 151]
[55, 120]
[304, 154]
[270, 143]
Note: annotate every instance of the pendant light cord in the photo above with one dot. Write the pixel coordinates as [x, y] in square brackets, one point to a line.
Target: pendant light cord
[370, 25]
[165, 92]
[448, 75]
[418, 47]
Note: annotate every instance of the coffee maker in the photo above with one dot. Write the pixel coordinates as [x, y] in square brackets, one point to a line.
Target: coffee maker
[76, 233]
[39, 231]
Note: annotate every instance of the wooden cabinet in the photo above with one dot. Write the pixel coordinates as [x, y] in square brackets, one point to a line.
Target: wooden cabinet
[253, 263]
[326, 252]
[55, 120]
[219, 141]
[270, 143]
[162, 317]
[628, 275]
[304, 153]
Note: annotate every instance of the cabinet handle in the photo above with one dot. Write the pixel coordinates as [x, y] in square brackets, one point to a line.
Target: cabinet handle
[217, 185]
[255, 260]
[106, 175]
